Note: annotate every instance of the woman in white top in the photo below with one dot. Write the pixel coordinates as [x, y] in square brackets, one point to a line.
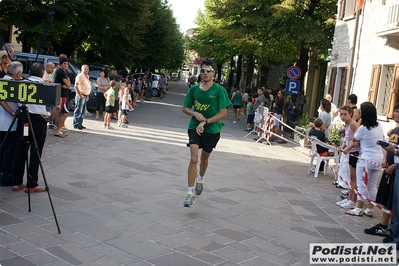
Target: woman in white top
[367, 135]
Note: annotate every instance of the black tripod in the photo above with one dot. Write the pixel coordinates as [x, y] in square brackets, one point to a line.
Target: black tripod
[25, 120]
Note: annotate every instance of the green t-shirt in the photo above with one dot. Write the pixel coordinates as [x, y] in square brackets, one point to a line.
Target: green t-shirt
[208, 103]
[237, 100]
[110, 96]
[250, 108]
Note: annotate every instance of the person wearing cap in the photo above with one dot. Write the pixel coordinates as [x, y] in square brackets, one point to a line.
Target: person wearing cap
[5, 60]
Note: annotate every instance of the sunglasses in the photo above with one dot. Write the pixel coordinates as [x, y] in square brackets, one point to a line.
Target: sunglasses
[207, 70]
[5, 56]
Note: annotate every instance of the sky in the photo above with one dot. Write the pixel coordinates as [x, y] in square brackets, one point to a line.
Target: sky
[185, 12]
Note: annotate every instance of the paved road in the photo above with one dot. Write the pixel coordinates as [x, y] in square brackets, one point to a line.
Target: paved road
[118, 197]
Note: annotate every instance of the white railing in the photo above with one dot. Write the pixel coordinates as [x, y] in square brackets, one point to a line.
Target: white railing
[393, 15]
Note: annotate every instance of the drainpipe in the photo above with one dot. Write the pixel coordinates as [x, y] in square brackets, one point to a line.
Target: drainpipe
[352, 58]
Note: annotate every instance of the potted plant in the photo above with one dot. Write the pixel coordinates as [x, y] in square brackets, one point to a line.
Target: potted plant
[303, 128]
[334, 137]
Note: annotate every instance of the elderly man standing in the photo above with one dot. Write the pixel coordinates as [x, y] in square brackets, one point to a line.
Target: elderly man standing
[48, 73]
[83, 87]
[7, 112]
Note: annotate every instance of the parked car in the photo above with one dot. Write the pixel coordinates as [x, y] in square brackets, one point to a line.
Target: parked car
[155, 83]
[27, 59]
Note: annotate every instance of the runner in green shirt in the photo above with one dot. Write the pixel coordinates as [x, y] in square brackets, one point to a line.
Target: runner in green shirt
[206, 103]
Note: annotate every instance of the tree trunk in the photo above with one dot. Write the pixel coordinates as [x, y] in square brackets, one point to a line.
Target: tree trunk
[231, 74]
[264, 73]
[302, 63]
[250, 71]
[239, 67]
[219, 69]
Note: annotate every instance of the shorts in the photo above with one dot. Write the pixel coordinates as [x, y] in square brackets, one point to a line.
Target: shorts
[276, 123]
[109, 109]
[148, 89]
[385, 190]
[250, 119]
[116, 105]
[207, 141]
[353, 159]
[236, 106]
[125, 112]
[136, 90]
[64, 107]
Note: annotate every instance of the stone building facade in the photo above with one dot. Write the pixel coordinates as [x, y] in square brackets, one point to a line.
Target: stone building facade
[365, 54]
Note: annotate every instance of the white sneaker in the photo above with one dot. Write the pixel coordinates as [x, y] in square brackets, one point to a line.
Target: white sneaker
[131, 109]
[348, 205]
[88, 114]
[339, 203]
[104, 126]
[234, 122]
[109, 127]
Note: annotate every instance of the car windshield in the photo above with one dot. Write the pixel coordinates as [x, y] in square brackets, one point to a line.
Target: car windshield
[94, 73]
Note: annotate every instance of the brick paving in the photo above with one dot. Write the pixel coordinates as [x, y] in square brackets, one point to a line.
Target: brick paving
[118, 197]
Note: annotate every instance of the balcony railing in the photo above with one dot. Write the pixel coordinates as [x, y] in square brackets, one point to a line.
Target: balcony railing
[390, 29]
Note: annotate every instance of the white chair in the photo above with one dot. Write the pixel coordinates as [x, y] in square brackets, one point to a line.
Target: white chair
[319, 158]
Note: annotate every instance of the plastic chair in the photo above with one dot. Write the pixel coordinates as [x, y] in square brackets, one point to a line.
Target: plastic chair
[320, 158]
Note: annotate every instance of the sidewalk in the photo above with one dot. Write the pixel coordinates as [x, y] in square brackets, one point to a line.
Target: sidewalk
[118, 195]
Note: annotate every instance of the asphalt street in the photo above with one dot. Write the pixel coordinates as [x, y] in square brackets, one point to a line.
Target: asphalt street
[118, 197]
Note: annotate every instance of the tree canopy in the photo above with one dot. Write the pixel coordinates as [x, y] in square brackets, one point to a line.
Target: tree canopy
[124, 33]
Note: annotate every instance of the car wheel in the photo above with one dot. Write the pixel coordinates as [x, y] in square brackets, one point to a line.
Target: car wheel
[71, 102]
[154, 92]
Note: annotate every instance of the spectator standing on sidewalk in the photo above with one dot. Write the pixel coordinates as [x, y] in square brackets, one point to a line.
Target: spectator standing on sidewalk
[366, 136]
[7, 112]
[109, 104]
[394, 237]
[206, 103]
[61, 76]
[103, 85]
[278, 107]
[39, 119]
[83, 87]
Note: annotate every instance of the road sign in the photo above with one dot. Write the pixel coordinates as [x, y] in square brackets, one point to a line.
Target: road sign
[292, 86]
[294, 72]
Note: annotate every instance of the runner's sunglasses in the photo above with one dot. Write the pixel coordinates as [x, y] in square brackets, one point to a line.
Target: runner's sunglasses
[208, 70]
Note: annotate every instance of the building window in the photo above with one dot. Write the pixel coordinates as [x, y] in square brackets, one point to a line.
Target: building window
[347, 9]
[384, 89]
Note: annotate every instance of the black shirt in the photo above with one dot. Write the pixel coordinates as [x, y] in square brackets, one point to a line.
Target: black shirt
[59, 77]
[280, 106]
[320, 135]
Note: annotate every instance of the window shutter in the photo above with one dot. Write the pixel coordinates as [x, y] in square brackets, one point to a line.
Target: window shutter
[374, 83]
[347, 81]
[341, 9]
[333, 76]
[393, 95]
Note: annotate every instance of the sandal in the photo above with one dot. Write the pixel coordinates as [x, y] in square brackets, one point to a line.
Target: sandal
[60, 135]
[18, 188]
[355, 212]
[368, 212]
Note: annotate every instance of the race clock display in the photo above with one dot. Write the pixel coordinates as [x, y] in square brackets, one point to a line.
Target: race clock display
[28, 92]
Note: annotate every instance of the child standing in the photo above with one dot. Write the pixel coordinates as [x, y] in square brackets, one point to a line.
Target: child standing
[120, 95]
[320, 135]
[125, 107]
[109, 104]
[250, 114]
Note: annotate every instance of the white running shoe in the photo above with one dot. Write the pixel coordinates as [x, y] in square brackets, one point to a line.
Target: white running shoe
[234, 122]
[339, 203]
[348, 205]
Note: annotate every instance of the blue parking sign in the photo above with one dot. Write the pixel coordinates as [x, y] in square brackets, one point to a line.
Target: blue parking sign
[292, 86]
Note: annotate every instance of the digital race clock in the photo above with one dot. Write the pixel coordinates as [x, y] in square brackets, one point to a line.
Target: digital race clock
[28, 92]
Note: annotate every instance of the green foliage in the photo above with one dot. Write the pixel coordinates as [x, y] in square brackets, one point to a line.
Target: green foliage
[334, 137]
[122, 33]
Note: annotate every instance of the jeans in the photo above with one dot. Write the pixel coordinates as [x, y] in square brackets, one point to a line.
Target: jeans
[79, 111]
